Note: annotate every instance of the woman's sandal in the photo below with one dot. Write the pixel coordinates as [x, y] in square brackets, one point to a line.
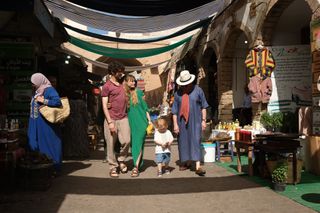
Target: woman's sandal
[135, 172]
[123, 168]
[113, 173]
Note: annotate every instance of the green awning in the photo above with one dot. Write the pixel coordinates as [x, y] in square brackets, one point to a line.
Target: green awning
[124, 53]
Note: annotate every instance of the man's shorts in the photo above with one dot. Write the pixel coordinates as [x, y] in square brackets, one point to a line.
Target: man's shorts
[163, 157]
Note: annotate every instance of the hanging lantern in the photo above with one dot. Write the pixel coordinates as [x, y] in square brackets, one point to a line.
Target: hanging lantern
[96, 91]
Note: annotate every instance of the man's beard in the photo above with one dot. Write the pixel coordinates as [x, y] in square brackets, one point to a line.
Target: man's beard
[120, 79]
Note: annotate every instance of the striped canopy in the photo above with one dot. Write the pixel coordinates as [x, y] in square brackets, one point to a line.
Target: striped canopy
[125, 24]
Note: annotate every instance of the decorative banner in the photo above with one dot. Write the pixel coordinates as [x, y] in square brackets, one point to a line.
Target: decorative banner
[291, 79]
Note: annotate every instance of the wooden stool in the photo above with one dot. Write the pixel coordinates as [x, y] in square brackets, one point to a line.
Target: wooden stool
[248, 146]
[229, 149]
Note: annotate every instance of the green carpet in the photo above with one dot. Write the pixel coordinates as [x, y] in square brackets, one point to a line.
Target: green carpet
[307, 192]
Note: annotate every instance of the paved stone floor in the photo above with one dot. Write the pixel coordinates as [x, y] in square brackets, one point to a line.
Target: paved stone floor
[85, 186]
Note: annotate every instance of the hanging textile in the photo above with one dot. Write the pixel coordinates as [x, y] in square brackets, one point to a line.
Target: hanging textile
[124, 53]
[125, 24]
[187, 29]
[141, 8]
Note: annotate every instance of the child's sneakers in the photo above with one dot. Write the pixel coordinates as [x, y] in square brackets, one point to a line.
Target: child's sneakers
[159, 174]
[167, 171]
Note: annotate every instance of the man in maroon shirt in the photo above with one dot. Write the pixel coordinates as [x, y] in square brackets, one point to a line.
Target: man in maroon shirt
[116, 124]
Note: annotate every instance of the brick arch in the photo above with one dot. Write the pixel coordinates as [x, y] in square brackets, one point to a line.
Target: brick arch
[274, 13]
[225, 94]
[208, 83]
[315, 8]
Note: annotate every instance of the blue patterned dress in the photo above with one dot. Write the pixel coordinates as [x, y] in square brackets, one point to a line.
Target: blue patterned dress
[43, 136]
[189, 139]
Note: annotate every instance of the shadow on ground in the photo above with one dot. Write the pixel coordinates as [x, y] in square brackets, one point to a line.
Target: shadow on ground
[311, 197]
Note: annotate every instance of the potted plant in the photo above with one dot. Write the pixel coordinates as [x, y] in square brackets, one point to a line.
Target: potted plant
[279, 177]
[272, 122]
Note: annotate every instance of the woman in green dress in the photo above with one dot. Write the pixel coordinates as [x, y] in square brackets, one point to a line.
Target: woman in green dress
[139, 119]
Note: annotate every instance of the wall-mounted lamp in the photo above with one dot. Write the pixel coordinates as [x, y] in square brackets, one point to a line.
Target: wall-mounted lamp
[66, 62]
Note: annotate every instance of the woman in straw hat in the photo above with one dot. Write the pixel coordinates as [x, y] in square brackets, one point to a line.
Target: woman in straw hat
[189, 119]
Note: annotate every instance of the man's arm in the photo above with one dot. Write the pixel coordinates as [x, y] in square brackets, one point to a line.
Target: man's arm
[107, 114]
[204, 116]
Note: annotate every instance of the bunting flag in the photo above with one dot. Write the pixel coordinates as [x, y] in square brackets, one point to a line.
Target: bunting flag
[124, 24]
[141, 8]
[187, 29]
[124, 53]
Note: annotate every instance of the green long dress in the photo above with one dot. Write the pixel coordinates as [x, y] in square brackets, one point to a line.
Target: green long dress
[138, 124]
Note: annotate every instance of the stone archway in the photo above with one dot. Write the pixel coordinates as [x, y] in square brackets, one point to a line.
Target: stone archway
[275, 12]
[209, 82]
[287, 23]
[225, 76]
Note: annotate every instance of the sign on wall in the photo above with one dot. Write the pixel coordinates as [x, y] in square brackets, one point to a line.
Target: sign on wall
[291, 79]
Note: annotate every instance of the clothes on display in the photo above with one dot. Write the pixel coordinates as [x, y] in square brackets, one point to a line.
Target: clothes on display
[260, 89]
[260, 61]
[260, 64]
[75, 139]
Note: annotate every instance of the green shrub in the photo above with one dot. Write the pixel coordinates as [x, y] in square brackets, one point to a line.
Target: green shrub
[272, 121]
[280, 174]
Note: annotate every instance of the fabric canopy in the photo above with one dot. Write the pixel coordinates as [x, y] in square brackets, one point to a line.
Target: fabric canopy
[124, 53]
[107, 22]
[141, 7]
[140, 41]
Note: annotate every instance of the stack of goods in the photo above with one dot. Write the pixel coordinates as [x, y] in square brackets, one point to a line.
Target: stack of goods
[245, 135]
[222, 136]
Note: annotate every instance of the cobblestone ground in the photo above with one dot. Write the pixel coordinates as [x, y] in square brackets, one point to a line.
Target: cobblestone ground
[85, 186]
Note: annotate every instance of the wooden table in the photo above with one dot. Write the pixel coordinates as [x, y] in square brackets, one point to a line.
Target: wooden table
[278, 143]
[248, 146]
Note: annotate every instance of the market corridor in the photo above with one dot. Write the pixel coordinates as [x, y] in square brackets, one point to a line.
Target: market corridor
[85, 186]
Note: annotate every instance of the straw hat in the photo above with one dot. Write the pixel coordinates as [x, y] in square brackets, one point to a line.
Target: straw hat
[185, 78]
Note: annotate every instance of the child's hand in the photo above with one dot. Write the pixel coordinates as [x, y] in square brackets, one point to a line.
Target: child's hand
[164, 145]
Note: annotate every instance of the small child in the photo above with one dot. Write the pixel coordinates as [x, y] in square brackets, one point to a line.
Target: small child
[163, 139]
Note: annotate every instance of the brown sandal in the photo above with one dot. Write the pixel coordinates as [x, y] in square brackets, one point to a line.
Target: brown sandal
[200, 172]
[135, 172]
[113, 173]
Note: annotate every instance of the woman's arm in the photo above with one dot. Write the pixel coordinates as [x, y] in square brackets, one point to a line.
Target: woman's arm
[50, 98]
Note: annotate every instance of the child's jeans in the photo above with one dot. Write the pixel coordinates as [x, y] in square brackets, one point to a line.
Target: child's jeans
[163, 158]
